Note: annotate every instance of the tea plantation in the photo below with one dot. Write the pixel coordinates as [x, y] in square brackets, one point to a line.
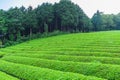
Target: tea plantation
[78, 56]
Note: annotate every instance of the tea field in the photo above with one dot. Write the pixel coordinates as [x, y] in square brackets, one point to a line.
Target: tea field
[78, 56]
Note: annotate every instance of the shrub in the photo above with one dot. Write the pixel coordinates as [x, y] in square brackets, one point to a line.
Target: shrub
[110, 72]
[37, 73]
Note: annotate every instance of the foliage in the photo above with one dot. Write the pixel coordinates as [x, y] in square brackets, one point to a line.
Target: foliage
[76, 67]
[97, 21]
[90, 54]
[4, 76]
[35, 73]
[106, 60]
[21, 24]
[18, 23]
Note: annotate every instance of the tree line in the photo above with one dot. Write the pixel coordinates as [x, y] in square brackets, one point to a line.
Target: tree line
[103, 22]
[19, 24]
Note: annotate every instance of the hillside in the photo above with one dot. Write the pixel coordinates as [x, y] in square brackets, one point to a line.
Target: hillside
[80, 56]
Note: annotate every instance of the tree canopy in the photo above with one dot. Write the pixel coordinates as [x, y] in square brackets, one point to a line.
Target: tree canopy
[17, 24]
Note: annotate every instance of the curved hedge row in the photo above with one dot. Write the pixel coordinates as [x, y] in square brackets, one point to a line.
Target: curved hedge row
[2, 54]
[25, 72]
[73, 53]
[107, 71]
[4, 76]
[106, 60]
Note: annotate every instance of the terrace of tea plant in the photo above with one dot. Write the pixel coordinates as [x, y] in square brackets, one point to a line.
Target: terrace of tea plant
[78, 56]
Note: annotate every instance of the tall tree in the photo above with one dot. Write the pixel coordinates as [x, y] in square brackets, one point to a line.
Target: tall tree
[69, 17]
[116, 19]
[30, 20]
[64, 12]
[45, 16]
[3, 28]
[108, 21]
[97, 21]
[13, 23]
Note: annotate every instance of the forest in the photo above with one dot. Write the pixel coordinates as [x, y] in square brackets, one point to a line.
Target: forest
[19, 24]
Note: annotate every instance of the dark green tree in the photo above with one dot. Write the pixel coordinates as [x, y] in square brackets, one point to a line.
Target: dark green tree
[116, 20]
[30, 21]
[13, 23]
[97, 21]
[108, 21]
[3, 28]
[45, 17]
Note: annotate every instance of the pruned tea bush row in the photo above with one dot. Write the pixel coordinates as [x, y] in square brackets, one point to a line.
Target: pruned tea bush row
[107, 60]
[72, 53]
[4, 76]
[107, 71]
[25, 72]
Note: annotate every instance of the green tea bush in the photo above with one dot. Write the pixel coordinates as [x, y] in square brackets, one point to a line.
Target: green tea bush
[4, 76]
[107, 60]
[25, 72]
[107, 71]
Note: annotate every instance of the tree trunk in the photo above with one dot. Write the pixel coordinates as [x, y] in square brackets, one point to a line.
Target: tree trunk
[56, 24]
[45, 28]
[30, 32]
[2, 41]
[39, 30]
